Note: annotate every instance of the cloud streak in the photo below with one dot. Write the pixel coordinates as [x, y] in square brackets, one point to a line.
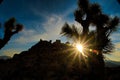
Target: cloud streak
[52, 27]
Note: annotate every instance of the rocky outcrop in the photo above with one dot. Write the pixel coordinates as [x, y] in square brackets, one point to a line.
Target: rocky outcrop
[45, 61]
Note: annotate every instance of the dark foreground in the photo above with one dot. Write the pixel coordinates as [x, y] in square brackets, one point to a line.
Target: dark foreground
[50, 61]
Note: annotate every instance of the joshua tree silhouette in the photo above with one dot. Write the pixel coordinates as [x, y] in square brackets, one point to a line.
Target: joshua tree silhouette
[88, 14]
[10, 28]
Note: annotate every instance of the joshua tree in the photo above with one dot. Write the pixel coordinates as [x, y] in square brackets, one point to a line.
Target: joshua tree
[10, 28]
[97, 41]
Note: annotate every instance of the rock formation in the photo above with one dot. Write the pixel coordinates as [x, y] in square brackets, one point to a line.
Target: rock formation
[45, 61]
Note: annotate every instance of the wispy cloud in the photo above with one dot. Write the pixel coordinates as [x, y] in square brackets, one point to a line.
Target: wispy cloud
[27, 36]
[117, 48]
[52, 27]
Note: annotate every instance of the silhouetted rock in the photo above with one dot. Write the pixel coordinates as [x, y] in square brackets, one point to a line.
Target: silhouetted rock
[46, 61]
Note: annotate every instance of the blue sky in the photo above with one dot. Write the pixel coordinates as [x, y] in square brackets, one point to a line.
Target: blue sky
[43, 19]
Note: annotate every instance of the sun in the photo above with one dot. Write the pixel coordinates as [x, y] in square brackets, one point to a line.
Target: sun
[79, 47]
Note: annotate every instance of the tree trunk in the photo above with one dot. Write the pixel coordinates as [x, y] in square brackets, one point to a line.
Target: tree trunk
[96, 63]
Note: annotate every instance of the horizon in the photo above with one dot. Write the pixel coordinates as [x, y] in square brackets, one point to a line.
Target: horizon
[43, 19]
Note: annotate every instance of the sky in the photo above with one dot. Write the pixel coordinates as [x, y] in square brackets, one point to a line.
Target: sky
[43, 19]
